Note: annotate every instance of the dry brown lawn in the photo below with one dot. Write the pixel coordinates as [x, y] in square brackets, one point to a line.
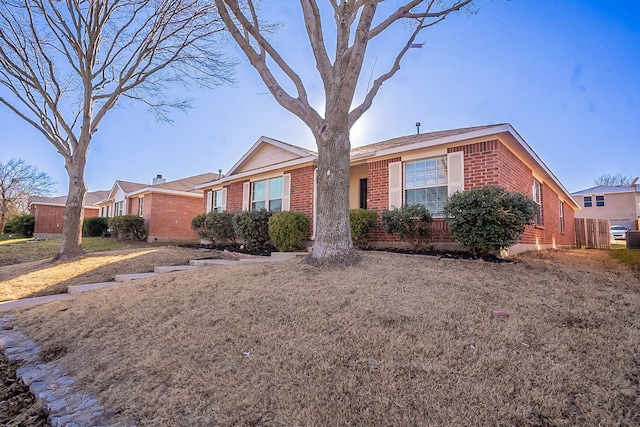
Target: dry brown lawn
[44, 277]
[397, 340]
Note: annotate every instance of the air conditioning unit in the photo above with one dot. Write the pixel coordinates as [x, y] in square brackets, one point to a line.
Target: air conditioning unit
[633, 239]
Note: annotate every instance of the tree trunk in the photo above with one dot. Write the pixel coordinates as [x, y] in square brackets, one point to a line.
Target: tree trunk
[333, 245]
[71, 246]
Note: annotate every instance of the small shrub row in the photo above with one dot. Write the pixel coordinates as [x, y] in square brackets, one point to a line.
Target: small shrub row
[481, 219]
[127, 227]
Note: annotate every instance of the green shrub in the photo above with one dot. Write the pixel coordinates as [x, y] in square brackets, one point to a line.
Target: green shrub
[287, 230]
[197, 225]
[411, 222]
[252, 227]
[21, 224]
[488, 218]
[127, 227]
[220, 227]
[215, 226]
[362, 222]
[95, 227]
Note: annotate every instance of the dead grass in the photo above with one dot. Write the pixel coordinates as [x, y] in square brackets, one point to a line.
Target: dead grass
[396, 340]
[45, 277]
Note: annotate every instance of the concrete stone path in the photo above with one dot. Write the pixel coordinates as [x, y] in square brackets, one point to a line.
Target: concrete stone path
[65, 403]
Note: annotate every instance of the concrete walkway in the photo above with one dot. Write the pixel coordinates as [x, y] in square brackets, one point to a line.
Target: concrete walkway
[194, 263]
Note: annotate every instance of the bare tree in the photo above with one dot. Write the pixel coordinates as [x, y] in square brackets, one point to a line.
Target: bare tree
[613, 180]
[65, 63]
[18, 182]
[355, 24]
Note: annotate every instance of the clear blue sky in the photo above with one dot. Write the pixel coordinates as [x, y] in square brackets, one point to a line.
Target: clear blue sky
[565, 74]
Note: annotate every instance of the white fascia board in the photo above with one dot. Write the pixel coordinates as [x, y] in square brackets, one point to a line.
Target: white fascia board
[60, 205]
[165, 191]
[283, 165]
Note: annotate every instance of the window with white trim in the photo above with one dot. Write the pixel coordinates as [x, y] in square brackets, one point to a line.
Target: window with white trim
[561, 215]
[118, 208]
[216, 201]
[537, 197]
[425, 183]
[140, 205]
[599, 201]
[267, 194]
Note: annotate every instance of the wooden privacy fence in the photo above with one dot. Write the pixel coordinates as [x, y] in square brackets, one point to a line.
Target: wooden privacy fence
[592, 233]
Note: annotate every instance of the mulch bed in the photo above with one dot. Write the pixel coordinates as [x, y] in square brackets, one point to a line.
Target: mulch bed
[18, 408]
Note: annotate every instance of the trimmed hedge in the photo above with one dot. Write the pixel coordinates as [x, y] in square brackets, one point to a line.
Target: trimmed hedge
[127, 227]
[488, 218]
[215, 226]
[287, 230]
[411, 222]
[95, 227]
[362, 222]
[252, 227]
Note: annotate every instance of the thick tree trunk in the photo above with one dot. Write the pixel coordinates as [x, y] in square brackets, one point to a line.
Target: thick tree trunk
[71, 246]
[333, 245]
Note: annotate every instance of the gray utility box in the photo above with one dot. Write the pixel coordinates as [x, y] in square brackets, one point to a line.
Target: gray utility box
[633, 239]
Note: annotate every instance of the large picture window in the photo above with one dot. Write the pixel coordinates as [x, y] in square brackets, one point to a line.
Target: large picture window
[425, 183]
[267, 194]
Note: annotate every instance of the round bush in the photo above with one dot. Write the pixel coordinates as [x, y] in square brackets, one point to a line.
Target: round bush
[95, 226]
[411, 222]
[252, 227]
[362, 222]
[128, 227]
[488, 218]
[287, 230]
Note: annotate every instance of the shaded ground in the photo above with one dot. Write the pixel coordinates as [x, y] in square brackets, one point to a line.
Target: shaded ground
[18, 408]
[396, 340]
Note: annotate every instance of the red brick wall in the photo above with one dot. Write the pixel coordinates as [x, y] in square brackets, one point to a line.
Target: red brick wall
[302, 193]
[487, 162]
[234, 196]
[50, 219]
[168, 217]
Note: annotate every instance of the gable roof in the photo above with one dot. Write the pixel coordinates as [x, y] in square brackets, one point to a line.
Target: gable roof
[264, 155]
[91, 199]
[606, 189]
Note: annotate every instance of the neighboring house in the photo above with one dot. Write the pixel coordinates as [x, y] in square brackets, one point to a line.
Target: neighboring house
[49, 212]
[166, 206]
[619, 204]
[423, 168]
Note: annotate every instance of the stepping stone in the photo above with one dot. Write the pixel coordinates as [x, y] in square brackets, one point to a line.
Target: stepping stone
[26, 302]
[261, 259]
[170, 268]
[201, 262]
[134, 276]
[78, 289]
[281, 256]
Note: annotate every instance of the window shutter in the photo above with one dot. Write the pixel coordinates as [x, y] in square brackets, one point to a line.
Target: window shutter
[395, 185]
[245, 195]
[455, 172]
[224, 199]
[209, 200]
[286, 192]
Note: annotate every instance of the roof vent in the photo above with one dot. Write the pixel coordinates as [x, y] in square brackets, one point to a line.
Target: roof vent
[158, 180]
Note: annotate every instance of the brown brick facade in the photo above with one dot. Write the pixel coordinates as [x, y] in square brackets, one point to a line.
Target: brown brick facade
[168, 217]
[49, 219]
[485, 163]
[302, 191]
